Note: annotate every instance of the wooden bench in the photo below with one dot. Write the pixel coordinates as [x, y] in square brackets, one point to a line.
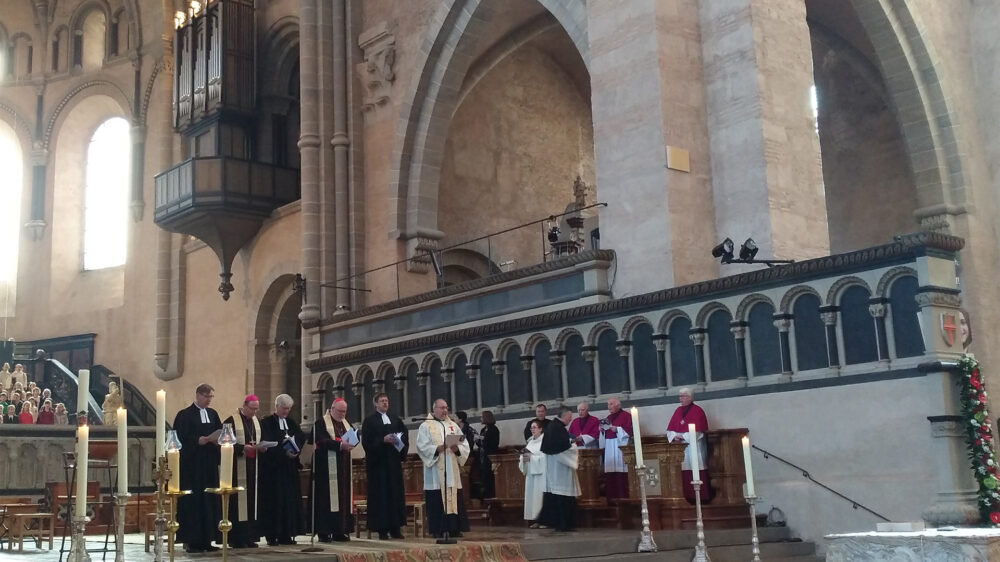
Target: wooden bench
[414, 517]
[31, 525]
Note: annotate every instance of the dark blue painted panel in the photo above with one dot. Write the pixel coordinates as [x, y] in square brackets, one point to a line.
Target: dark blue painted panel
[765, 349]
[546, 374]
[810, 333]
[682, 350]
[439, 388]
[518, 380]
[721, 347]
[860, 344]
[415, 399]
[905, 317]
[610, 363]
[644, 357]
[577, 370]
[490, 383]
[465, 388]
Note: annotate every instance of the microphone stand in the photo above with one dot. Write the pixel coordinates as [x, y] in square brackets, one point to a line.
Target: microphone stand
[312, 498]
[446, 539]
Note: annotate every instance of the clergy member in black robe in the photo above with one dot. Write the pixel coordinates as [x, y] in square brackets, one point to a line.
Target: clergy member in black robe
[280, 508]
[199, 513]
[243, 505]
[562, 486]
[381, 433]
[333, 502]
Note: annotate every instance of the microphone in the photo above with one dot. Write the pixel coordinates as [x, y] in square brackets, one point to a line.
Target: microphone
[418, 418]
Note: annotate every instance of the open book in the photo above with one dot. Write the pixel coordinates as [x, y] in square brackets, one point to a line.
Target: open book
[291, 446]
[398, 441]
[453, 439]
[350, 437]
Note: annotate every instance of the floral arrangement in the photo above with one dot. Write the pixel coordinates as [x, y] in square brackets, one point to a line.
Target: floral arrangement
[979, 439]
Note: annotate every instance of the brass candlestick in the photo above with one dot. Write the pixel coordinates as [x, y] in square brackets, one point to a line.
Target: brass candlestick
[173, 525]
[225, 525]
[651, 475]
[121, 499]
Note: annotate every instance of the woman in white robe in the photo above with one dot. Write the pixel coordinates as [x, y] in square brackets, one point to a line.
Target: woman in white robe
[532, 465]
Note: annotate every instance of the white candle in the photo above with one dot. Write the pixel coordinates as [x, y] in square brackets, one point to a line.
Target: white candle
[226, 470]
[122, 451]
[83, 391]
[748, 466]
[637, 437]
[693, 445]
[161, 422]
[82, 457]
[174, 464]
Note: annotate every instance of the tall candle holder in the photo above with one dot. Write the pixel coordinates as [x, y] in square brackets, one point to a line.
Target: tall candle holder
[651, 475]
[173, 525]
[121, 500]
[78, 547]
[225, 525]
[161, 474]
[700, 550]
[755, 541]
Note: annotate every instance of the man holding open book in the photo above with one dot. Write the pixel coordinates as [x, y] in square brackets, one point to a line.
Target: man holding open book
[333, 505]
[443, 450]
[280, 499]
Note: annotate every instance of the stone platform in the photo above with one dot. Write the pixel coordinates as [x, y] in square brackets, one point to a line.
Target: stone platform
[489, 544]
[932, 545]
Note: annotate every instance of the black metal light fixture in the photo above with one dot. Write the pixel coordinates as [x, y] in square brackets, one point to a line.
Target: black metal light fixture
[748, 253]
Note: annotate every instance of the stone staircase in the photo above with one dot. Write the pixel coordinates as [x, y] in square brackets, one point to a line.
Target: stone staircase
[726, 545]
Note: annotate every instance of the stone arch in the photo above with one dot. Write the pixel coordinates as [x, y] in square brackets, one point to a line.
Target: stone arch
[59, 61]
[404, 365]
[563, 337]
[76, 22]
[631, 324]
[664, 324]
[505, 346]
[532, 343]
[431, 100]
[428, 361]
[74, 97]
[914, 84]
[280, 48]
[322, 380]
[838, 287]
[453, 355]
[788, 299]
[276, 308]
[747, 303]
[383, 370]
[707, 311]
[596, 331]
[477, 353]
[887, 279]
[10, 115]
[344, 378]
[364, 372]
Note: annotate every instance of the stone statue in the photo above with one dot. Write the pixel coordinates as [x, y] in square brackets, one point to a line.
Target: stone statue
[112, 401]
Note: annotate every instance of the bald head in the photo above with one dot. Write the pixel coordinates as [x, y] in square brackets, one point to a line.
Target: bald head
[583, 409]
[614, 405]
[441, 409]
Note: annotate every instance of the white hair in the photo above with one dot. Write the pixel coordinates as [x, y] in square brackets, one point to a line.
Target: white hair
[687, 391]
[284, 400]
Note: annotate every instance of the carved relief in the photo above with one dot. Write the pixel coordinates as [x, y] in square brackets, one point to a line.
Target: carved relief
[377, 74]
[940, 299]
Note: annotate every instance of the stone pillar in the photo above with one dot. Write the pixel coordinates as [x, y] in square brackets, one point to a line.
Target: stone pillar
[400, 380]
[662, 343]
[341, 144]
[338, 391]
[829, 314]
[783, 322]
[499, 370]
[767, 179]
[309, 142]
[359, 390]
[137, 203]
[448, 375]
[697, 336]
[877, 308]
[590, 355]
[527, 361]
[472, 371]
[739, 330]
[557, 359]
[378, 385]
[36, 220]
[424, 378]
[624, 348]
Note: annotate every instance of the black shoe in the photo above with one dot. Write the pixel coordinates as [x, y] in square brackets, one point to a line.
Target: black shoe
[396, 534]
[211, 548]
[383, 536]
[193, 549]
[341, 538]
[287, 541]
[272, 542]
[324, 538]
[250, 545]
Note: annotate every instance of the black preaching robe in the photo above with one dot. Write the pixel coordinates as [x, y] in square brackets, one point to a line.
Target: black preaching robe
[198, 513]
[384, 470]
[280, 509]
[244, 532]
[339, 520]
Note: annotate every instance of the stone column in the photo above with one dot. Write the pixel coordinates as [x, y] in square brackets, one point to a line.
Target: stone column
[338, 391]
[424, 379]
[137, 203]
[359, 390]
[739, 330]
[624, 348]
[829, 314]
[309, 142]
[557, 359]
[877, 308]
[400, 380]
[527, 361]
[499, 370]
[378, 385]
[697, 336]
[448, 375]
[341, 143]
[662, 343]
[783, 322]
[767, 179]
[472, 371]
[589, 353]
[36, 220]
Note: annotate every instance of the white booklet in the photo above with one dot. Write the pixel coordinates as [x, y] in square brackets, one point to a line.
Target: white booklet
[265, 445]
[350, 437]
[398, 442]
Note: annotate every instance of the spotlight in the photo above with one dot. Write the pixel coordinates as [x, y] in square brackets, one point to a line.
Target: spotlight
[748, 250]
[553, 235]
[724, 250]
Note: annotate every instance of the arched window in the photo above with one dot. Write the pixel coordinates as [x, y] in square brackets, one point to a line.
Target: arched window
[518, 379]
[765, 347]
[644, 358]
[683, 366]
[905, 311]
[91, 41]
[860, 344]
[546, 374]
[721, 346]
[106, 196]
[11, 162]
[465, 388]
[609, 363]
[810, 333]
[577, 370]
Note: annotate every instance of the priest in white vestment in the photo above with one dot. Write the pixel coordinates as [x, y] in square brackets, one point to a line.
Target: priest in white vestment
[443, 449]
[561, 483]
[532, 465]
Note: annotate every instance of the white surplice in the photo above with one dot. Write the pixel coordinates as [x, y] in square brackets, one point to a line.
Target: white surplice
[613, 460]
[560, 473]
[702, 448]
[534, 478]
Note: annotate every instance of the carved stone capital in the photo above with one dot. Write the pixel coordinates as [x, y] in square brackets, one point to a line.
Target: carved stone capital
[378, 385]
[472, 371]
[661, 342]
[624, 348]
[357, 387]
[739, 332]
[697, 338]
[877, 310]
[423, 377]
[589, 354]
[417, 250]
[338, 391]
[498, 368]
[829, 318]
[526, 361]
[931, 298]
[378, 44]
[447, 375]
[557, 357]
[400, 382]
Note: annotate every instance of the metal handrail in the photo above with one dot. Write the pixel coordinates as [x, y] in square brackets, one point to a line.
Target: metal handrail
[807, 476]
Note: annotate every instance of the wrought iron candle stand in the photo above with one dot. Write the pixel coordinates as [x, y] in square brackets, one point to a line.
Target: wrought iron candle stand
[646, 474]
[173, 525]
[700, 551]
[121, 499]
[225, 525]
[78, 547]
[752, 500]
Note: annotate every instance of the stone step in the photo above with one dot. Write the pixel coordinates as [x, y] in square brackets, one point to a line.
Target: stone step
[582, 543]
[772, 552]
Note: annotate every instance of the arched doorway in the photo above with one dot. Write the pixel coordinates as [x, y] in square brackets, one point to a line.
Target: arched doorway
[276, 348]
